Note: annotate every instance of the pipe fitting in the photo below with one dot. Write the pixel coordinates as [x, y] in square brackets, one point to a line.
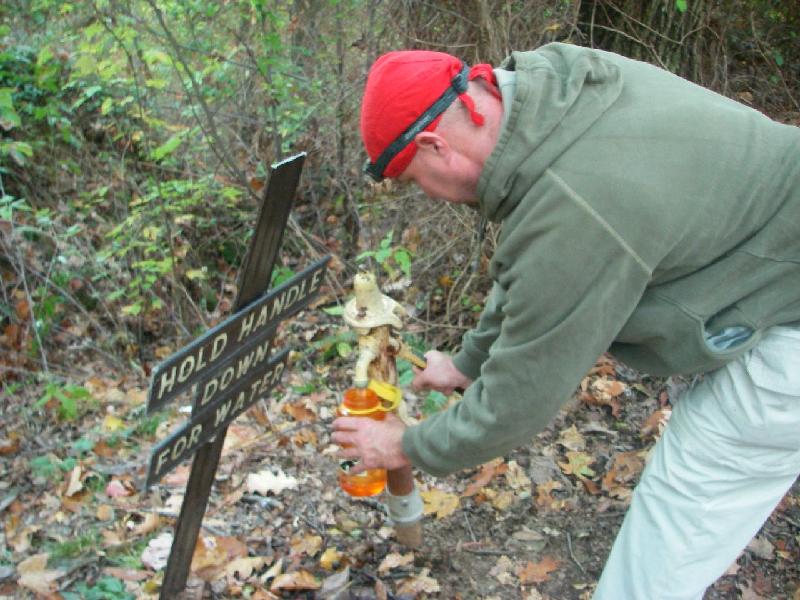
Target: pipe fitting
[404, 510]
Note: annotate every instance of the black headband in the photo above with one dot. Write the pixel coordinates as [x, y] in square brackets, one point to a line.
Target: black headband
[457, 87]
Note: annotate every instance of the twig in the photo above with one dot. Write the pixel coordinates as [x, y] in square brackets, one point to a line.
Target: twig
[488, 552]
[572, 555]
[469, 527]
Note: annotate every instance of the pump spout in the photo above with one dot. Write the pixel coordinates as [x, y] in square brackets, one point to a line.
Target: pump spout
[368, 351]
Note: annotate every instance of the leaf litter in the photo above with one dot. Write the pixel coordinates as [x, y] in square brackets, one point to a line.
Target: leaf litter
[277, 525]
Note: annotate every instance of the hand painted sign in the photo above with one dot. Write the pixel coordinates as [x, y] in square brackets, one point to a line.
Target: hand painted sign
[229, 368]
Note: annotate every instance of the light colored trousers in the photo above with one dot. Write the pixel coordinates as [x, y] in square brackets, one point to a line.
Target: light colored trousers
[730, 452]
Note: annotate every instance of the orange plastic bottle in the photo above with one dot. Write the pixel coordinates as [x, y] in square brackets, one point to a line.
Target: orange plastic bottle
[361, 402]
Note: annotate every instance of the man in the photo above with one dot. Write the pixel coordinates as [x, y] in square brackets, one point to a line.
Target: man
[640, 214]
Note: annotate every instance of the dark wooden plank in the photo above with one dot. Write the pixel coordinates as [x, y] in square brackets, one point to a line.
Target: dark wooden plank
[254, 277]
[196, 360]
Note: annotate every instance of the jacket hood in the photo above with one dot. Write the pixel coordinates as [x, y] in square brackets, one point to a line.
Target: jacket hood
[561, 90]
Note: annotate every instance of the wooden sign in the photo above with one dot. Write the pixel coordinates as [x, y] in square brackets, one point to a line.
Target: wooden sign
[229, 367]
[204, 425]
[248, 327]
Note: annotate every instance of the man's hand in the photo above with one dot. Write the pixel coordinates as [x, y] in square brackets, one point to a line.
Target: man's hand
[440, 374]
[374, 444]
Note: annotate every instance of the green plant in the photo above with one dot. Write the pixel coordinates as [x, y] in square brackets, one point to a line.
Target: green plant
[105, 588]
[69, 399]
[51, 467]
[74, 547]
[128, 556]
[338, 345]
[392, 259]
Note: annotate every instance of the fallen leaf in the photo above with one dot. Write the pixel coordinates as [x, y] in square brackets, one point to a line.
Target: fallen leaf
[544, 496]
[537, 572]
[578, 464]
[534, 594]
[244, 566]
[309, 545]
[603, 392]
[488, 472]
[112, 423]
[330, 559]
[572, 439]
[608, 388]
[442, 503]
[156, 553]
[300, 412]
[118, 488]
[603, 366]
[105, 512]
[516, 477]
[421, 584]
[500, 500]
[10, 444]
[150, 523]
[623, 471]
[212, 553]
[266, 481]
[34, 574]
[655, 423]
[748, 592]
[503, 570]
[761, 547]
[75, 485]
[298, 580]
[395, 560]
[126, 574]
[304, 437]
[333, 586]
[239, 436]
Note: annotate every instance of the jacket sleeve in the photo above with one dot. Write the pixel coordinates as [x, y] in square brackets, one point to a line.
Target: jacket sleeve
[476, 343]
[569, 284]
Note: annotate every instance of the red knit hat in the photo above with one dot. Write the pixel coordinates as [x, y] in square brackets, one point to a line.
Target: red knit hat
[406, 93]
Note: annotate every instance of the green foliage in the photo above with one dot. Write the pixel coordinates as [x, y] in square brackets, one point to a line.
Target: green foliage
[70, 400]
[393, 259]
[51, 467]
[74, 547]
[681, 5]
[129, 556]
[339, 345]
[106, 588]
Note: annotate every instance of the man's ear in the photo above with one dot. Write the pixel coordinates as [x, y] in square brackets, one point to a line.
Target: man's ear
[432, 142]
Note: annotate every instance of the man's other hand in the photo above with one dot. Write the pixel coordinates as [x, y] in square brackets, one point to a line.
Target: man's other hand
[440, 374]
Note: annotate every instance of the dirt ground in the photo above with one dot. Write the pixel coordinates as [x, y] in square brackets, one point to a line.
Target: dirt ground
[538, 524]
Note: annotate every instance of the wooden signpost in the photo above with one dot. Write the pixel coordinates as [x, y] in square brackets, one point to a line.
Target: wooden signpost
[229, 367]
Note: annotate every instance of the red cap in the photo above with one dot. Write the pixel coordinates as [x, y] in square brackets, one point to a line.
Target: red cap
[406, 93]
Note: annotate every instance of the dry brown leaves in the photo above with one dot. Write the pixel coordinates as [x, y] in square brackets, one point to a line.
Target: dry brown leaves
[620, 477]
[538, 572]
[438, 502]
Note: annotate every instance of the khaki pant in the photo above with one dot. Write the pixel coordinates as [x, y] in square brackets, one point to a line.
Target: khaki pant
[728, 455]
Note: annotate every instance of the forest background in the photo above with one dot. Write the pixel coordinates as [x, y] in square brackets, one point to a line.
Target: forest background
[135, 138]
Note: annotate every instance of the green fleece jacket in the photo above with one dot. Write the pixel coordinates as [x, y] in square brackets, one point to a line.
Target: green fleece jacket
[640, 214]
